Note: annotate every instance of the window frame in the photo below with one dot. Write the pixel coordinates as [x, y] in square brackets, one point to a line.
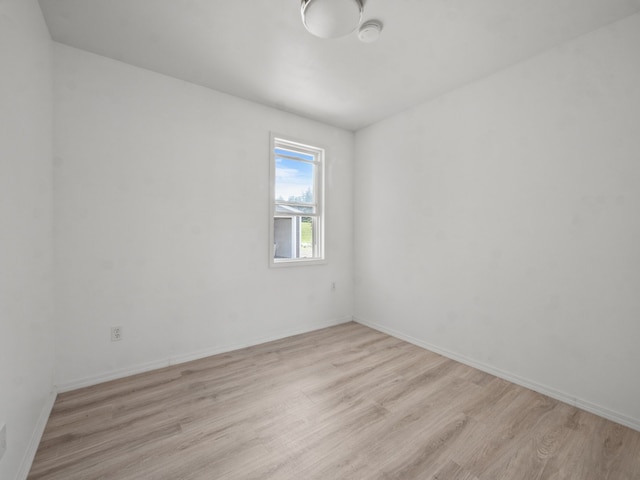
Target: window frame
[287, 142]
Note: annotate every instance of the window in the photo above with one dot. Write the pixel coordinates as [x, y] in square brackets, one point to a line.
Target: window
[297, 215]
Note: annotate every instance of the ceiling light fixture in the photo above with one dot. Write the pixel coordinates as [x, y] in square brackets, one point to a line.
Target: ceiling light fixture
[331, 18]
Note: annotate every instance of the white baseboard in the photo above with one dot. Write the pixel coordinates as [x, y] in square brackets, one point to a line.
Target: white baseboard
[36, 436]
[545, 390]
[187, 357]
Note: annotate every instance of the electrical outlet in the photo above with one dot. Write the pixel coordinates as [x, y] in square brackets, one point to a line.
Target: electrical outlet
[3, 440]
[116, 334]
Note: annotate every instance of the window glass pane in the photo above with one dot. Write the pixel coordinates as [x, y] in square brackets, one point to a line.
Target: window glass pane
[294, 180]
[289, 209]
[306, 237]
[293, 237]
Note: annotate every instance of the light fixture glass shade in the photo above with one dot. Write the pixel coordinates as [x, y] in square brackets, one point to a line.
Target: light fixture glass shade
[331, 18]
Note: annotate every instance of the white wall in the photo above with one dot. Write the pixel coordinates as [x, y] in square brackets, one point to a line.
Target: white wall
[501, 223]
[26, 335]
[161, 205]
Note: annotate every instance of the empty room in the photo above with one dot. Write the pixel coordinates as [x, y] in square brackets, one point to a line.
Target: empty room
[319, 239]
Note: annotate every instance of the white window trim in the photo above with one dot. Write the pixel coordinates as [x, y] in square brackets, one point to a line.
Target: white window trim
[319, 232]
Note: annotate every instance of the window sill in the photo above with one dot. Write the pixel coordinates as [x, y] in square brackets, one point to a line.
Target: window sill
[283, 262]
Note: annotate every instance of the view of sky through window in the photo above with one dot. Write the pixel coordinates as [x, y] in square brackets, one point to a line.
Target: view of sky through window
[294, 179]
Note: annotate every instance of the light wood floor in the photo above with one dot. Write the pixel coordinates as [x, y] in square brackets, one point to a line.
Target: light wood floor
[346, 402]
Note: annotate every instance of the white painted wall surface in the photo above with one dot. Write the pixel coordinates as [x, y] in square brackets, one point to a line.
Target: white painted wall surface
[501, 222]
[161, 204]
[26, 331]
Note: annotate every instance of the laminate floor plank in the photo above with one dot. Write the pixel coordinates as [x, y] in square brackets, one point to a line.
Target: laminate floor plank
[453, 471]
[346, 402]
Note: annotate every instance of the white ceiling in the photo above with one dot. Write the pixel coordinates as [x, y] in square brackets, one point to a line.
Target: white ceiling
[259, 49]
